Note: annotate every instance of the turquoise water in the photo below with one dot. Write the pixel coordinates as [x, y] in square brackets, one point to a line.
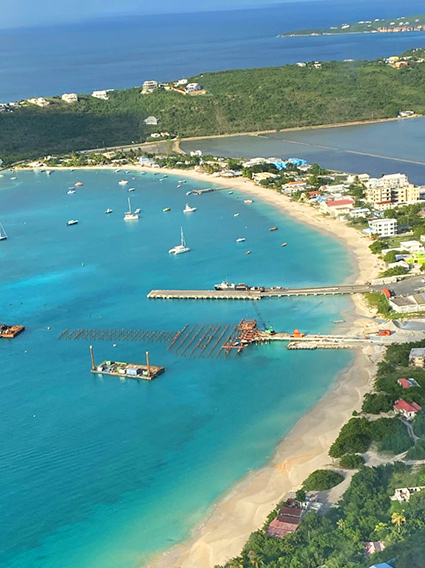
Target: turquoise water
[102, 472]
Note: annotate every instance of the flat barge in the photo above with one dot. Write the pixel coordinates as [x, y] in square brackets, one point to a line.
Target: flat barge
[123, 370]
[10, 331]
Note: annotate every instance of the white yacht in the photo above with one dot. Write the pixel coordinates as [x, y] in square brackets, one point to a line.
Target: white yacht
[3, 235]
[131, 189]
[182, 247]
[71, 191]
[189, 209]
[241, 240]
[137, 211]
[108, 211]
[123, 182]
[129, 215]
[72, 222]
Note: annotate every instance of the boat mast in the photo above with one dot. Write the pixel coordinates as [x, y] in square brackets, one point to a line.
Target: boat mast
[129, 205]
[182, 237]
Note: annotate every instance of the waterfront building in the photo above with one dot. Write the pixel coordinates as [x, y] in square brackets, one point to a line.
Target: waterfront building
[287, 521]
[383, 227]
[417, 357]
[408, 305]
[39, 101]
[338, 207]
[359, 212]
[390, 190]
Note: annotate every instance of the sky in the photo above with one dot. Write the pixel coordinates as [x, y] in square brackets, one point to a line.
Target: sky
[23, 13]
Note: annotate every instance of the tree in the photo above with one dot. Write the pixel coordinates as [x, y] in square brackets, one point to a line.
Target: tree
[322, 480]
[398, 519]
[300, 495]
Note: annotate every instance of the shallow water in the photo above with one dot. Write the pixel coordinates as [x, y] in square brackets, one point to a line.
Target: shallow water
[102, 472]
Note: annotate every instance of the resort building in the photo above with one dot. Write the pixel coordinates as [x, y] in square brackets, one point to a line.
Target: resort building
[359, 213]
[417, 357]
[70, 98]
[149, 86]
[408, 304]
[413, 247]
[403, 494]
[293, 186]
[337, 208]
[406, 409]
[383, 227]
[103, 95]
[263, 176]
[287, 521]
[389, 190]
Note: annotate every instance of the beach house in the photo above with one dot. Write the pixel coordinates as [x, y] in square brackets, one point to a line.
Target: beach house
[403, 494]
[407, 383]
[417, 357]
[337, 207]
[149, 87]
[38, 101]
[102, 95]
[406, 409]
[287, 521]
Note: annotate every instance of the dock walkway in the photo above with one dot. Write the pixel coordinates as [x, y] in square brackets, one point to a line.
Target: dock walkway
[257, 294]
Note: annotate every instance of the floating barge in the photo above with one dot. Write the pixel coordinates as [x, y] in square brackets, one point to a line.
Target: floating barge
[123, 370]
[10, 331]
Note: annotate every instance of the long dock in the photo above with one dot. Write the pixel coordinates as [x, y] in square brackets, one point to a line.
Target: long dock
[258, 294]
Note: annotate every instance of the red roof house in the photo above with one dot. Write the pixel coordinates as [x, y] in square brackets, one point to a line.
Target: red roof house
[404, 383]
[287, 521]
[407, 409]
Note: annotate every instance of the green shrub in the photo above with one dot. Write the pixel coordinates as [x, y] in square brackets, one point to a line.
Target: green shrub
[390, 435]
[417, 452]
[351, 461]
[374, 403]
[354, 438]
[322, 480]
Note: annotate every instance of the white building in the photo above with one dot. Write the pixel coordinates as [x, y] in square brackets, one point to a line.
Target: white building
[70, 97]
[403, 494]
[39, 101]
[103, 95]
[413, 247]
[151, 121]
[181, 83]
[383, 227]
[193, 88]
[337, 207]
[359, 212]
[149, 86]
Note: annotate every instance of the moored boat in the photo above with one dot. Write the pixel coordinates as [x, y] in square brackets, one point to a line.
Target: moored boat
[166, 209]
[241, 240]
[129, 215]
[3, 235]
[108, 211]
[283, 244]
[248, 201]
[72, 222]
[274, 229]
[123, 182]
[182, 247]
[189, 209]
[71, 191]
[79, 184]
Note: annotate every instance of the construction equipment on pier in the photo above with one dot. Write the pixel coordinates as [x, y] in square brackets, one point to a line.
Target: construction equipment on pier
[10, 331]
[147, 372]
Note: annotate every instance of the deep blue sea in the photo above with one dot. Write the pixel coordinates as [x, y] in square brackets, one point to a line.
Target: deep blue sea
[102, 473]
[124, 51]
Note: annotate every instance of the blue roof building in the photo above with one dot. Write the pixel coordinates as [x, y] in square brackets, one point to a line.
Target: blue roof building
[381, 565]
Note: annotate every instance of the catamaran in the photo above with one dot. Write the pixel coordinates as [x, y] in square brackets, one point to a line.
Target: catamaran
[129, 215]
[123, 182]
[189, 209]
[182, 247]
[3, 235]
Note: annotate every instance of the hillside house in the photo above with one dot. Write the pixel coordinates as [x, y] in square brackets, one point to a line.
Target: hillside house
[406, 409]
[287, 521]
[417, 357]
[403, 494]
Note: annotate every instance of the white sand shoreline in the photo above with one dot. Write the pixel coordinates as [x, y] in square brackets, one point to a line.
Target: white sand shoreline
[246, 505]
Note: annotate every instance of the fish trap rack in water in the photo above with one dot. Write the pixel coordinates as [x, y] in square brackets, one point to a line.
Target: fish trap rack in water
[192, 341]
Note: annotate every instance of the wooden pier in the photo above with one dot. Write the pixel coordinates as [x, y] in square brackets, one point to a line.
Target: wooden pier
[256, 294]
[122, 370]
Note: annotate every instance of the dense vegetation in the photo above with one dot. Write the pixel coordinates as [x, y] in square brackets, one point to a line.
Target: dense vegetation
[337, 538]
[236, 101]
[322, 480]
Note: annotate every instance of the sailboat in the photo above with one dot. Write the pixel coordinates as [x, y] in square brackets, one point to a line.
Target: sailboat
[189, 209]
[182, 247]
[129, 215]
[3, 235]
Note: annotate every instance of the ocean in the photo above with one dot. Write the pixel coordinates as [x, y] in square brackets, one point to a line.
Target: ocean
[103, 473]
[124, 51]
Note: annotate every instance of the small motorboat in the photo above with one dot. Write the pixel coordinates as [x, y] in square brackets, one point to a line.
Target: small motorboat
[79, 184]
[179, 185]
[189, 209]
[248, 201]
[14, 178]
[230, 192]
[123, 182]
[71, 191]
[283, 244]
[241, 240]
[235, 214]
[189, 192]
[248, 252]
[182, 181]
[72, 222]
[166, 209]
[48, 172]
[137, 211]
[108, 211]
[274, 229]
[131, 189]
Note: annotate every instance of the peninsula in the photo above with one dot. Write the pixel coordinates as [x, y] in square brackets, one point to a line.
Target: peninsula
[244, 100]
[390, 25]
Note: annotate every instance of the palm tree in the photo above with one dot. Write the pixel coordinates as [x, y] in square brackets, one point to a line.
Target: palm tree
[398, 519]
